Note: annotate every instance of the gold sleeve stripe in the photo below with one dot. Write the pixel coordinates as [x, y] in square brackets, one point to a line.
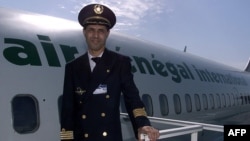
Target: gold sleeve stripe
[66, 135]
[139, 112]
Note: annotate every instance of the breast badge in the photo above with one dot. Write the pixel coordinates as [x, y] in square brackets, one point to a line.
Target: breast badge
[79, 91]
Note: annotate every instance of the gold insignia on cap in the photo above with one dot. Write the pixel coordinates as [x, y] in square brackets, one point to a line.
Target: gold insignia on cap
[98, 9]
[139, 112]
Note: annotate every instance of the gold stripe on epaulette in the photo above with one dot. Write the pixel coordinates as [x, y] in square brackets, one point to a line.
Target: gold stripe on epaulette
[66, 135]
[139, 112]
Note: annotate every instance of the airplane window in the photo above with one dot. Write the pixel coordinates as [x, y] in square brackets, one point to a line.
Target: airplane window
[245, 99]
[25, 113]
[147, 100]
[164, 104]
[59, 107]
[237, 98]
[241, 99]
[218, 100]
[228, 99]
[197, 102]
[223, 100]
[177, 103]
[205, 102]
[232, 99]
[211, 97]
[188, 103]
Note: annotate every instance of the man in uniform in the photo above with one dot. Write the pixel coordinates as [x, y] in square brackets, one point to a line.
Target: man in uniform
[93, 84]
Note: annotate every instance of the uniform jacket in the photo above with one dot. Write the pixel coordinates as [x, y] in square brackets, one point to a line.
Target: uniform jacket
[87, 116]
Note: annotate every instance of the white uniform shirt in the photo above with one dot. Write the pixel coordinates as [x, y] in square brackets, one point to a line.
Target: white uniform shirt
[91, 62]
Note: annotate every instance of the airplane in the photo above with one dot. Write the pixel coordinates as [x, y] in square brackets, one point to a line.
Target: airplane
[175, 86]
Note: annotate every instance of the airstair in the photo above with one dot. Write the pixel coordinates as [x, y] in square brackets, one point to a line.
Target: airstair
[181, 128]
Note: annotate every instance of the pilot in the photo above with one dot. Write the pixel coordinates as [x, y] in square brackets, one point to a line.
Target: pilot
[93, 84]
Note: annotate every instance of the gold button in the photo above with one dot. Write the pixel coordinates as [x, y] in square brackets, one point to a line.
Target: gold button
[86, 135]
[104, 134]
[108, 70]
[107, 96]
[83, 116]
[103, 114]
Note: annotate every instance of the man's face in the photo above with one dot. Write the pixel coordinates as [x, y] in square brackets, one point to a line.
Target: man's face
[96, 36]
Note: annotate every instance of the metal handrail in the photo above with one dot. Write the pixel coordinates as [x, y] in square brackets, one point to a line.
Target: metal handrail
[187, 127]
[211, 127]
[191, 129]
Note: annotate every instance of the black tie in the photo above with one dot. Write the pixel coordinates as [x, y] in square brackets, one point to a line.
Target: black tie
[96, 59]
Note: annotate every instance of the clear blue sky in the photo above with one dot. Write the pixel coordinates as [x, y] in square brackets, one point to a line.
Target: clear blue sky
[215, 29]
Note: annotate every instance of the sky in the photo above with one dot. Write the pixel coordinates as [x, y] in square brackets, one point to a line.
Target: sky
[214, 29]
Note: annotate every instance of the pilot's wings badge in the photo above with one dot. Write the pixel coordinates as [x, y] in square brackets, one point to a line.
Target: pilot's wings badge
[79, 91]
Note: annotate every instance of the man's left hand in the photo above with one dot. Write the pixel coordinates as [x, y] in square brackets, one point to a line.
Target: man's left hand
[153, 134]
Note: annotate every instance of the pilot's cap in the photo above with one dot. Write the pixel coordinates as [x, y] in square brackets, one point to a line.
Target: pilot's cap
[97, 14]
